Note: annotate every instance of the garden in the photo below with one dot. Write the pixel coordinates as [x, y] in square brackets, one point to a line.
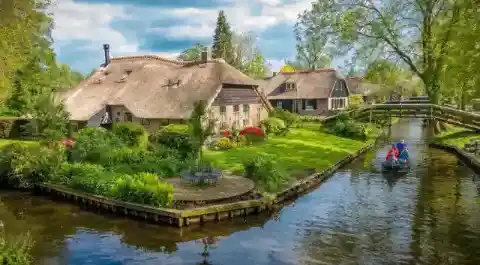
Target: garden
[128, 164]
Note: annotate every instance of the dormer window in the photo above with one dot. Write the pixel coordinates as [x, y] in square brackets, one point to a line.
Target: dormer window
[290, 86]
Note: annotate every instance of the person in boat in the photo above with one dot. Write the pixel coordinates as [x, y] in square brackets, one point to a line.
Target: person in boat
[400, 146]
[392, 154]
[403, 156]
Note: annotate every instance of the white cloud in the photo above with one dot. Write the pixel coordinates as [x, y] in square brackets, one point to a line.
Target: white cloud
[91, 24]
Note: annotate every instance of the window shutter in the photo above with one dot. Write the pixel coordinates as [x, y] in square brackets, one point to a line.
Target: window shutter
[314, 103]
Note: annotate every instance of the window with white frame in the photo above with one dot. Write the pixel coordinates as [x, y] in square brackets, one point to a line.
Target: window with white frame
[309, 104]
[289, 86]
[279, 104]
[338, 103]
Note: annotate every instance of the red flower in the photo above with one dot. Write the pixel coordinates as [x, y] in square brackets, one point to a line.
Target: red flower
[252, 130]
[68, 142]
[226, 133]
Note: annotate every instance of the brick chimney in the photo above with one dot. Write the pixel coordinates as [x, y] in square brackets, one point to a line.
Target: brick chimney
[106, 50]
[204, 56]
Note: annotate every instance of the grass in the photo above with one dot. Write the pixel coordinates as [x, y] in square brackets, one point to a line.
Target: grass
[303, 148]
[456, 136]
[4, 142]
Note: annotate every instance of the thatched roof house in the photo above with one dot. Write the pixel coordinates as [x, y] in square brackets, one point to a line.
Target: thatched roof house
[154, 88]
[359, 86]
[307, 92]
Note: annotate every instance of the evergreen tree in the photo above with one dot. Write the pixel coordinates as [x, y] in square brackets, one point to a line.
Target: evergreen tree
[222, 40]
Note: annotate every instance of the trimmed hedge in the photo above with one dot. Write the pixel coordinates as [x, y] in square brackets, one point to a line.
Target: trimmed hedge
[175, 137]
[131, 134]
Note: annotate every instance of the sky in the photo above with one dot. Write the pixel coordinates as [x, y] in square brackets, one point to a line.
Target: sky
[166, 27]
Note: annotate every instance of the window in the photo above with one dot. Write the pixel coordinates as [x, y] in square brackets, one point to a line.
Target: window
[236, 108]
[338, 103]
[127, 116]
[309, 104]
[246, 108]
[223, 109]
[259, 114]
[289, 86]
[245, 122]
[279, 104]
[145, 122]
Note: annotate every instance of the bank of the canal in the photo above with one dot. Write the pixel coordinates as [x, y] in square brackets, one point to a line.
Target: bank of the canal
[358, 216]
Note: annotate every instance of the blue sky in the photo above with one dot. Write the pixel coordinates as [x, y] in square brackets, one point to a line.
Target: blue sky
[166, 27]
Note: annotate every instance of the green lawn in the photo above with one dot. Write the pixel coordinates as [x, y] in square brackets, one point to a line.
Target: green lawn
[456, 136]
[303, 148]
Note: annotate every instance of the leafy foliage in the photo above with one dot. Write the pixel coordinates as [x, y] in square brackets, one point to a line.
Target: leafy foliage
[93, 145]
[15, 250]
[264, 171]
[355, 101]
[273, 125]
[346, 126]
[176, 137]
[192, 54]
[290, 119]
[131, 134]
[143, 188]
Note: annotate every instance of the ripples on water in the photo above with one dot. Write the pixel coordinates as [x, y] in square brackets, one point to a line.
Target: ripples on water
[360, 216]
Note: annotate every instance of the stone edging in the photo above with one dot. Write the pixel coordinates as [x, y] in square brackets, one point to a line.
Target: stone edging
[470, 160]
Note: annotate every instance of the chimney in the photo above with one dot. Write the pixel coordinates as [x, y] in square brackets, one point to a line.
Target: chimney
[204, 56]
[274, 73]
[106, 49]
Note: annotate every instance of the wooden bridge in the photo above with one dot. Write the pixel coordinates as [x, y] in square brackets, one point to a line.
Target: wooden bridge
[416, 109]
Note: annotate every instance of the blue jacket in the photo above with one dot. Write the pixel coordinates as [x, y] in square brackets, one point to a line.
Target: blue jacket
[403, 155]
[400, 147]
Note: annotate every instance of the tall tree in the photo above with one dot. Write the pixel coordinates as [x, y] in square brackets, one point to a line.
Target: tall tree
[405, 29]
[247, 57]
[222, 40]
[193, 53]
[312, 49]
[460, 77]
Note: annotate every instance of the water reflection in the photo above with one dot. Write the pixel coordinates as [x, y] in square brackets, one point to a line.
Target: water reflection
[429, 215]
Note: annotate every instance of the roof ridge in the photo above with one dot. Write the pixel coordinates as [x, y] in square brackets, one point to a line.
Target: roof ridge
[319, 70]
[160, 58]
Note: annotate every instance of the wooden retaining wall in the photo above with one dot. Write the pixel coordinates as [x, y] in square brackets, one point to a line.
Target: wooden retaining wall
[468, 159]
[180, 218]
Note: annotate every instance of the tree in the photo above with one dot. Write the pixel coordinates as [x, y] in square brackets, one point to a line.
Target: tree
[247, 56]
[312, 50]
[399, 30]
[193, 53]
[222, 40]
[394, 79]
[460, 77]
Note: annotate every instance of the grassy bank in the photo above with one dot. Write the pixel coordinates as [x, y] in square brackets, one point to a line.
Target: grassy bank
[303, 148]
[456, 136]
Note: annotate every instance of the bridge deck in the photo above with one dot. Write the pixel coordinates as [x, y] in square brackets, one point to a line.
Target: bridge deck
[412, 109]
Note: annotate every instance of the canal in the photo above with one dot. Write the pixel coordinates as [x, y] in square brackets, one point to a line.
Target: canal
[430, 215]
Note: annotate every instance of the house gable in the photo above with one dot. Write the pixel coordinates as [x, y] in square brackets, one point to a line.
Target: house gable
[236, 94]
[340, 89]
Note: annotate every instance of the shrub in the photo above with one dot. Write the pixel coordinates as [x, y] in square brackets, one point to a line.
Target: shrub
[174, 137]
[224, 143]
[253, 135]
[240, 141]
[265, 171]
[131, 134]
[143, 188]
[86, 177]
[93, 145]
[290, 119]
[345, 126]
[273, 125]
[15, 250]
[24, 164]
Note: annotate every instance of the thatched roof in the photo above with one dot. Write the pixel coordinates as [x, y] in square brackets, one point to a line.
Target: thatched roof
[317, 83]
[152, 87]
[358, 86]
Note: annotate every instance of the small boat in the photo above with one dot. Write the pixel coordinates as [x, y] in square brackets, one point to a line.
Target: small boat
[398, 165]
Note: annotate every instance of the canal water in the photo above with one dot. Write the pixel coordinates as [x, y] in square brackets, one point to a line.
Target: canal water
[431, 215]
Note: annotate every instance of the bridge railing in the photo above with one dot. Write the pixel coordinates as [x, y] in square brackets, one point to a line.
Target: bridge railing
[416, 110]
